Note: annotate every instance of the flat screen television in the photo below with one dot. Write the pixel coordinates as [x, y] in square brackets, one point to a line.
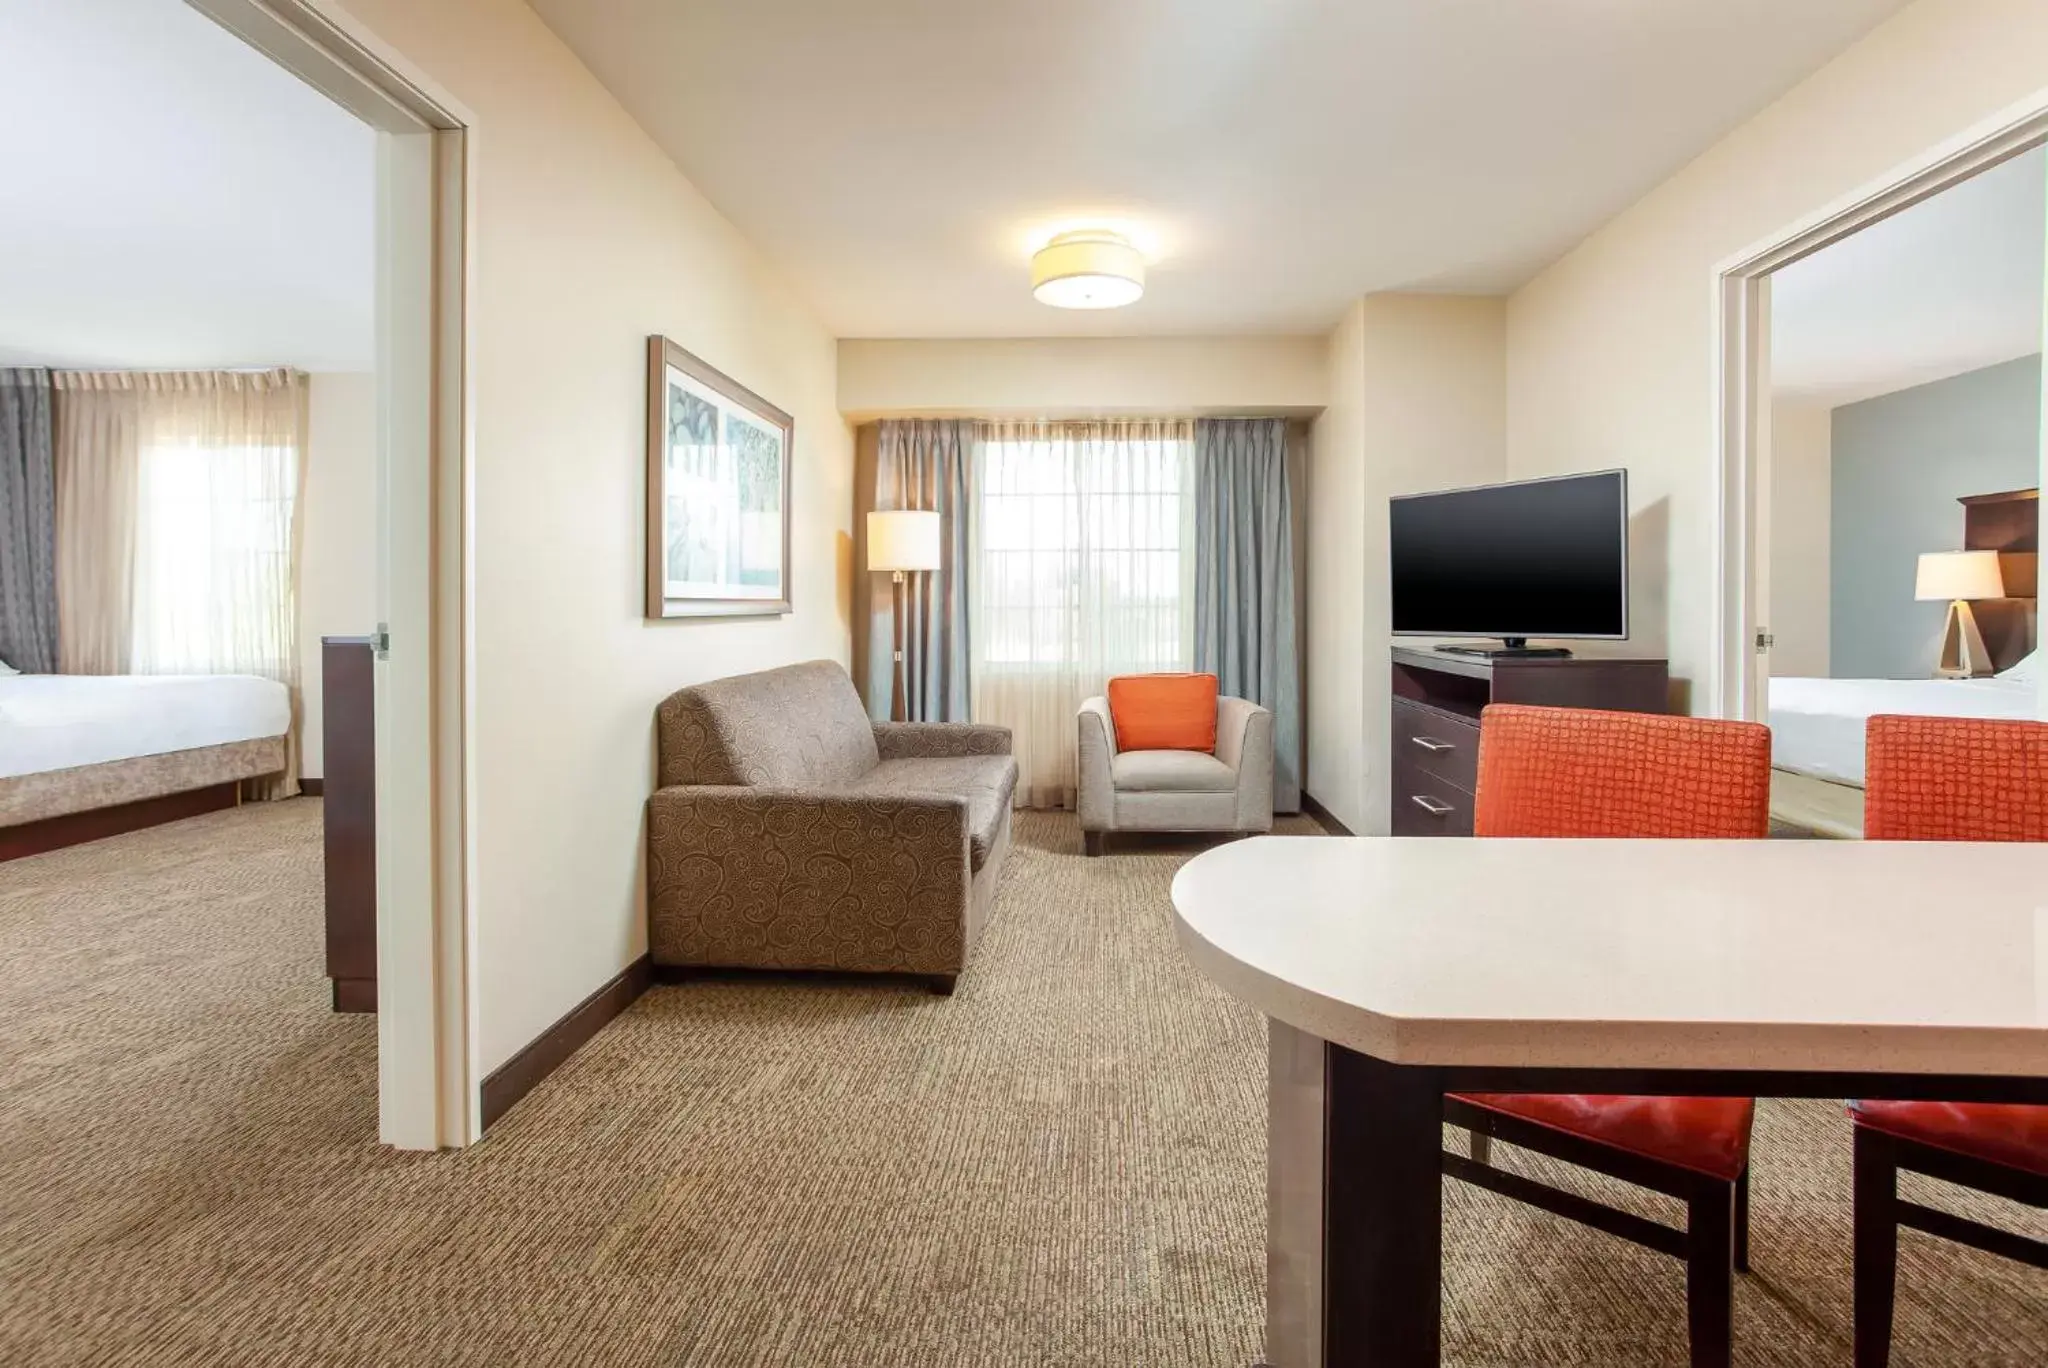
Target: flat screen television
[1534, 558]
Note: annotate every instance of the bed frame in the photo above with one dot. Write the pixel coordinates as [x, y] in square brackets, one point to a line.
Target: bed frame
[57, 808]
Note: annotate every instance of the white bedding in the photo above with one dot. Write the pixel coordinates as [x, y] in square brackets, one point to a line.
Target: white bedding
[52, 722]
[1817, 724]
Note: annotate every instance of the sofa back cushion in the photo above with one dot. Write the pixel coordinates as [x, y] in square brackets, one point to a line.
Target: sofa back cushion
[799, 726]
[1164, 711]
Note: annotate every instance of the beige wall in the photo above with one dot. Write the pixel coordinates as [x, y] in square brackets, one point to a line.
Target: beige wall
[1610, 351]
[587, 239]
[1797, 576]
[1334, 707]
[338, 533]
[1064, 377]
[1417, 402]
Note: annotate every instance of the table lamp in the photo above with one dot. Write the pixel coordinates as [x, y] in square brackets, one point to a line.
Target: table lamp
[1960, 576]
[901, 541]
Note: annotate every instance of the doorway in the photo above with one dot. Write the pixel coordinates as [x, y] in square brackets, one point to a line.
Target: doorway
[427, 1076]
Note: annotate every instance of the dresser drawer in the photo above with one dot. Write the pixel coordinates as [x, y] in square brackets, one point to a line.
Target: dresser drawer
[1436, 744]
[1424, 805]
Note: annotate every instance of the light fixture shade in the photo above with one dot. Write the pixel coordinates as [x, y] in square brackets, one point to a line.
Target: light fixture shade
[903, 539]
[1091, 268]
[1959, 575]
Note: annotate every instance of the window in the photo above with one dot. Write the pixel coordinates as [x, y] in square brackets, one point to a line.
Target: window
[1082, 543]
[1082, 536]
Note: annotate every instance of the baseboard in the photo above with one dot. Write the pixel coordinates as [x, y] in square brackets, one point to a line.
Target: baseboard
[76, 828]
[312, 787]
[546, 1052]
[1323, 816]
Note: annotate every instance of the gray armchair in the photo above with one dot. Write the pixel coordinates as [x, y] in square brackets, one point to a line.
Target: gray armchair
[1167, 790]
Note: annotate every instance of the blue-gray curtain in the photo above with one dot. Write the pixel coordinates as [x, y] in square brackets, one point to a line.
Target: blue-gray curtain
[28, 523]
[918, 463]
[1245, 578]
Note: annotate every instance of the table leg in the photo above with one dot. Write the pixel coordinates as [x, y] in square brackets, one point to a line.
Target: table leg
[1355, 1225]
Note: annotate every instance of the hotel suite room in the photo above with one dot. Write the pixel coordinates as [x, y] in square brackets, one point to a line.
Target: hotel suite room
[1001, 932]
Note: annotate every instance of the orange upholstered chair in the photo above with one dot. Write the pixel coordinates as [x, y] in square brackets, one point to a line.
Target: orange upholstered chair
[1567, 772]
[1945, 779]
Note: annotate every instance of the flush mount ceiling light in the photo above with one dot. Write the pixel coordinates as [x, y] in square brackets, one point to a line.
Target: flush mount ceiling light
[1089, 268]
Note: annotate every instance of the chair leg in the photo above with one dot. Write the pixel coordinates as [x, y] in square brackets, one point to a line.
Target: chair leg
[1877, 1246]
[1709, 1275]
[939, 985]
[1742, 1223]
[1482, 1147]
[1092, 840]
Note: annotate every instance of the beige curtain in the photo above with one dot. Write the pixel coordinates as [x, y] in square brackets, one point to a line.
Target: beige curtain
[1084, 569]
[99, 428]
[184, 530]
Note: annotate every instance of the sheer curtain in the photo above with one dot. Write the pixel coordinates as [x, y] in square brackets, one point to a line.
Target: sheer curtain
[1083, 569]
[178, 526]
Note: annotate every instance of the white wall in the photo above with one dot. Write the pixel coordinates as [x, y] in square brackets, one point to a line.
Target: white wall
[587, 239]
[1417, 402]
[1610, 350]
[1071, 376]
[1797, 573]
[338, 533]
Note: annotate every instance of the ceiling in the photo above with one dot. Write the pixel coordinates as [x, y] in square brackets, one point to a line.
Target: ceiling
[173, 199]
[1950, 285]
[894, 157]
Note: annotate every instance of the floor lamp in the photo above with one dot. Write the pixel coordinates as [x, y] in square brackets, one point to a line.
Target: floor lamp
[902, 541]
[1960, 576]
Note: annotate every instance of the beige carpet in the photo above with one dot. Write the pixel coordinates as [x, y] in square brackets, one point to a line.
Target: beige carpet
[1060, 1166]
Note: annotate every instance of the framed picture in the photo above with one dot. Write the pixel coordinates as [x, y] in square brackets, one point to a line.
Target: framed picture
[718, 469]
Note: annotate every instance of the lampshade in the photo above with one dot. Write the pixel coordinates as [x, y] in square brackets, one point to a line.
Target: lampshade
[1090, 268]
[903, 539]
[1959, 575]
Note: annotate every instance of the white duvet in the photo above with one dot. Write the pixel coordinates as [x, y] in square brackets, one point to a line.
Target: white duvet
[1817, 724]
[53, 722]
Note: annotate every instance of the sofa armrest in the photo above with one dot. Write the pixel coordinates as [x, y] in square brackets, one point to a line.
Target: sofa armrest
[1097, 796]
[808, 879]
[915, 740]
[1244, 741]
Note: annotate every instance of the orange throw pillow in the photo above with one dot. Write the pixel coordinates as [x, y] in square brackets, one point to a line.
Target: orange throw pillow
[1164, 712]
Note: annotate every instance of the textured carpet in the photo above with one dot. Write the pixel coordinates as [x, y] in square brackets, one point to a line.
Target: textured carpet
[1062, 1165]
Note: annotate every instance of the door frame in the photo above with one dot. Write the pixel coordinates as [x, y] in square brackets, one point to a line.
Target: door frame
[428, 1082]
[1737, 669]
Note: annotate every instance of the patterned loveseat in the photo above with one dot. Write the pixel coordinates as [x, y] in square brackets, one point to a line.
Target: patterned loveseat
[789, 832]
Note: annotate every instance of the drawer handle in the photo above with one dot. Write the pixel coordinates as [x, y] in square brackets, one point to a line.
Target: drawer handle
[1431, 744]
[1433, 806]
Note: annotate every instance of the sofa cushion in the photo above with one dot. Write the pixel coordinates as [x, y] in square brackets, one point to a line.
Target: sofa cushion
[1170, 771]
[794, 727]
[1164, 711]
[987, 782]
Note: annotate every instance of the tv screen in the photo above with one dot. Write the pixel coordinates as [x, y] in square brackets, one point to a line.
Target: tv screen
[1537, 558]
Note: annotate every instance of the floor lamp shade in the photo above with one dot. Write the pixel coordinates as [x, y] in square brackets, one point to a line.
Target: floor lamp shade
[903, 539]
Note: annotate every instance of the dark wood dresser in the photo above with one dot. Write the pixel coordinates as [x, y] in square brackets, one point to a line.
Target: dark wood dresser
[1437, 701]
[348, 731]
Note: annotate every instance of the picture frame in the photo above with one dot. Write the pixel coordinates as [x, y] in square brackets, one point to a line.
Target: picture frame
[719, 463]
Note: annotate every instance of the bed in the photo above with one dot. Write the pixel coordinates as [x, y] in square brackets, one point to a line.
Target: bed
[72, 745]
[1817, 734]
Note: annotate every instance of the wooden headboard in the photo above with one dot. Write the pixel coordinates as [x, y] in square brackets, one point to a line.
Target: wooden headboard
[2010, 524]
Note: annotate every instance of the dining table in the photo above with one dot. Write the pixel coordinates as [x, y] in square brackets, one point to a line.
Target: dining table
[1394, 970]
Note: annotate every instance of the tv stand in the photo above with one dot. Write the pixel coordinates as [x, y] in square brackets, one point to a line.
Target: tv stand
[1511, 648]
[1439, 696]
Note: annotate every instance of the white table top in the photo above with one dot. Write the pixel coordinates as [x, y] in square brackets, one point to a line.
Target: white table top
[1795, 955]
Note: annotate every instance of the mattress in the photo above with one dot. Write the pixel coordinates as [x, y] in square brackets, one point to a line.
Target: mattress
[55, 722]
[1817, 724]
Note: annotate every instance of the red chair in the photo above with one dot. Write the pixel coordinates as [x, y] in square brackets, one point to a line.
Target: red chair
[1569, 772]
[1945, 779]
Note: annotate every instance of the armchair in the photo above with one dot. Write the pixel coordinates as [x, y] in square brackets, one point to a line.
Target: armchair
[1177, 790]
